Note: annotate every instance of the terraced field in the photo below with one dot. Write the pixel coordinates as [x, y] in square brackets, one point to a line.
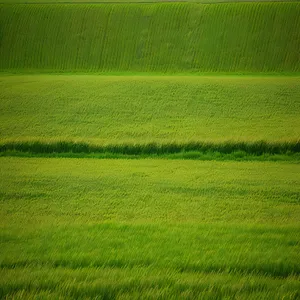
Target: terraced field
[160, 37]
[149, 150]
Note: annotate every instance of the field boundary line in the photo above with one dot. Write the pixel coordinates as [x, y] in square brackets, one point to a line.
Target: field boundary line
[256, 150]
[151, 2]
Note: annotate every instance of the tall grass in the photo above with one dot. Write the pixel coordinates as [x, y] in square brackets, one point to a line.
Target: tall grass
[157, 229]
[158, 37]
[253, 148]
[144, 109]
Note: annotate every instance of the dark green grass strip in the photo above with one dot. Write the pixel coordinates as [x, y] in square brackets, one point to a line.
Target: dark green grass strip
[158, 37]
[216, 156]
[257, 150]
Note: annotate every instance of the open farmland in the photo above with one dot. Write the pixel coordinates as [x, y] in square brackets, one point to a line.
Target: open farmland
[159, 37]
[86, 228]
[149, 150]
[143, 109]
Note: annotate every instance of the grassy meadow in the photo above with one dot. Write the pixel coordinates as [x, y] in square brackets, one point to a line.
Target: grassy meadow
[85, 228]
[145, 109]
[157, 37]
[149, 150]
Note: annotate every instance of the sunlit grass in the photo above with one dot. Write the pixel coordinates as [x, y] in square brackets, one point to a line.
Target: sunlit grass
[103, 110]
[202, 198]
[162, 228]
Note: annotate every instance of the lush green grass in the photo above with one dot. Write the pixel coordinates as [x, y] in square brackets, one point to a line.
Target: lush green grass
[187, 155]
[158, 37]
[157, 228]
[151, 228]
[240, 151]
[140, 110]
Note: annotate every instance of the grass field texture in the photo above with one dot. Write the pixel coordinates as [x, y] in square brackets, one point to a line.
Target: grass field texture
[203, 200]
[85, 228]
[158, 37]
[139, 109]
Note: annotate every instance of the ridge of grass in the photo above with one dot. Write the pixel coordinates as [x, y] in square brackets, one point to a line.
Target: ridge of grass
[192, 155]
[257, 150]
[38, 72]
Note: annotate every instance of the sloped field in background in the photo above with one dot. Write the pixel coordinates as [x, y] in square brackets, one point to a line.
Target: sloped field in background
[160, 37]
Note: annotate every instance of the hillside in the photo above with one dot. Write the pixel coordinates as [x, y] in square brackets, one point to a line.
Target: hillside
[158, 37]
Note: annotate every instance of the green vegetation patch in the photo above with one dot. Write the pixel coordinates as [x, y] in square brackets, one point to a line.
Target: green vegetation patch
[157, 37]
[160, 228]
[204, 151]
[112, 110]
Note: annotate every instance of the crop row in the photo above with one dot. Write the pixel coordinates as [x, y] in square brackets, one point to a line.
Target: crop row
[158, 37]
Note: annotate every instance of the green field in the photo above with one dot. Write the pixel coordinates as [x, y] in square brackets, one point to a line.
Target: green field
[149, 150]
[86, 228]
[143, 109]
[157, 37]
